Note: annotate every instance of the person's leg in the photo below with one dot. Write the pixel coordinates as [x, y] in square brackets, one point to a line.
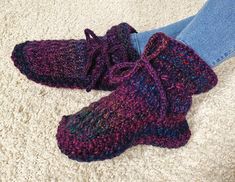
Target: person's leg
[211, 33]
[139, 40]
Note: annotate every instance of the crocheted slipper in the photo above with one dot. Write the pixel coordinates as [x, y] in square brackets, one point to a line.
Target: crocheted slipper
[149, 107]
[76, 63]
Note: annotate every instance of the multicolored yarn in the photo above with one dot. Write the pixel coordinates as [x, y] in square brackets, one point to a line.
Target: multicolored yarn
[76, 63]
[149, 106]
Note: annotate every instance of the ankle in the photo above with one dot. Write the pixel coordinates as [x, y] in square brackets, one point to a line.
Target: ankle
[135, 42]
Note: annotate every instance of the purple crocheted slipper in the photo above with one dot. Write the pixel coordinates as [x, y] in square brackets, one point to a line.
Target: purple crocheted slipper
[149, 107]
[76, 63]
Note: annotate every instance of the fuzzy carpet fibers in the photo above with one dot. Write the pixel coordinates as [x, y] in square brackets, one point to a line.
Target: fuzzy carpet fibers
[29, 112]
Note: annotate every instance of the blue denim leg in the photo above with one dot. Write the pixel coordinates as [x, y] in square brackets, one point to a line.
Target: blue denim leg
[211, 33]
[139, 40]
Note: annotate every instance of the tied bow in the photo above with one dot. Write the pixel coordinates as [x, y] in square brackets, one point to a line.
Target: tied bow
[99, 47]
[142, 63]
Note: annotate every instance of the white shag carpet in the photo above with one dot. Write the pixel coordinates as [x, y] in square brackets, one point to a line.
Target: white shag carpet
[30, 113]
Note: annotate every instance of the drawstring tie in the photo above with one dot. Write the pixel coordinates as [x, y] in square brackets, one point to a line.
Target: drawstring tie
[100, 47]
[117, 75]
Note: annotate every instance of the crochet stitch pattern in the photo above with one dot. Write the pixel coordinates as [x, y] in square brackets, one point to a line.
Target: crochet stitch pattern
[76, 63]
[149, 106]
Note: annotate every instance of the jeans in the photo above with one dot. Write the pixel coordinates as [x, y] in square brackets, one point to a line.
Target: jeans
[211, 32]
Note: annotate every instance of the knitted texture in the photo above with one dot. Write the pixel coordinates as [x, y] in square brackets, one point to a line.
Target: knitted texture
[149, 106]
[76, 63]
